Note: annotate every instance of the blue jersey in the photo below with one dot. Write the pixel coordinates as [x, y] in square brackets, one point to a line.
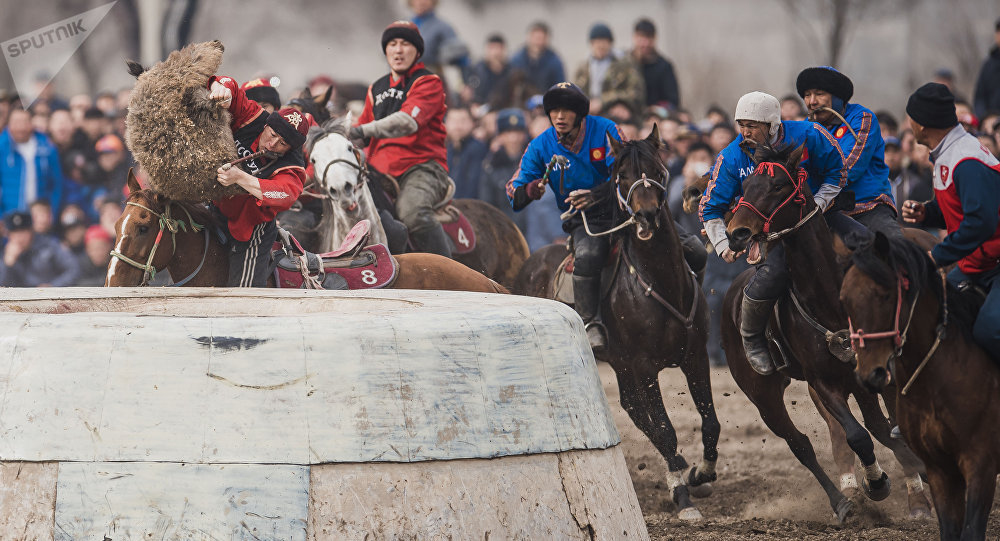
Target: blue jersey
[864, 157]
[590, 160]
[822, 160]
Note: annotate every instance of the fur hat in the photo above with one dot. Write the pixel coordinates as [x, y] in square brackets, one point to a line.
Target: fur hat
[759, 107]
[827, 79]
[290, 124]
[405, 30]
[263, 90]
[566, 95]
[933, 106]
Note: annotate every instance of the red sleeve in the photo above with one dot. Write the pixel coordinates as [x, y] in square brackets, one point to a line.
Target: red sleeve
[425, 99]
[282, 188]
[243, 109]
[368, 114]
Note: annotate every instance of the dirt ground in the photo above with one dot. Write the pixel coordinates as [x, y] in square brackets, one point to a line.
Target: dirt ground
[762, 491]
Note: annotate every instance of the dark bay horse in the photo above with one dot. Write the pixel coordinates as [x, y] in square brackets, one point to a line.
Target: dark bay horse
[777, 206]
[947, 387]
[155, 234]
[655, 314]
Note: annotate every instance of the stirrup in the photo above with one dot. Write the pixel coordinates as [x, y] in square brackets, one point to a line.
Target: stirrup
[600, 334]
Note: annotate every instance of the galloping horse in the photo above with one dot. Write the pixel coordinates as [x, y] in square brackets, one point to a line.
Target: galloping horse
[655, 314]
[344, 176]
[198, 258]
[908, 326]
[777, 205]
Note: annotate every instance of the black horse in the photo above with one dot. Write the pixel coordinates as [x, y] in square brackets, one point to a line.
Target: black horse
[655, 313]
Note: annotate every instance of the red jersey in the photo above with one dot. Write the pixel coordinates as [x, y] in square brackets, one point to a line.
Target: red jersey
[420, 94]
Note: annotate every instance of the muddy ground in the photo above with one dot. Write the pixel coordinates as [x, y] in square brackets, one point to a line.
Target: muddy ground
[762, 491]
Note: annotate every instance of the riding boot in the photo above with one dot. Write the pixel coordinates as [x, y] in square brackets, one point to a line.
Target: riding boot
[587, 302]
[432, 240]
[754, 316]
[395, 232]
[694, 254]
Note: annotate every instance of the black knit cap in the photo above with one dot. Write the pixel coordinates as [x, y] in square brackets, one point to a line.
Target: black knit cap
[290, 124]
[405, 30]
[262, 90]
[827, 79]
[566, 95]
[933, 106]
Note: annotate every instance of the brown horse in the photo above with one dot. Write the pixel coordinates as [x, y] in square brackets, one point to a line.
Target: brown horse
[815, 277]
[655, 314]
[917, 332]
[196, 258]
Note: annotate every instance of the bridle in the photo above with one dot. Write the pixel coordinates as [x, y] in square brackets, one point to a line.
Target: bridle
[623, 202]
[358, 164]
[797, 197]
[172, 225]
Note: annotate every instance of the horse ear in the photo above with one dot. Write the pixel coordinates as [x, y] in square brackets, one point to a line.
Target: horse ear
[132, 182]
[654, 137]
[306, 93]
[795, 157]
[616, 146]
[322, 100]
[349, 119]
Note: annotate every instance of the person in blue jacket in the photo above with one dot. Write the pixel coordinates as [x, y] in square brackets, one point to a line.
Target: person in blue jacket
[581, 139]
[758, 116]
[826, 93]
[29, 166]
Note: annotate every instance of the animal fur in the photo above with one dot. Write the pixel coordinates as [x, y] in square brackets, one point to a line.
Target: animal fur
[176, 133]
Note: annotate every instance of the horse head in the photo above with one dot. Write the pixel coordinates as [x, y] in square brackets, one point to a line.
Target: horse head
[134, 260]
[775, 199]
[314, 105]
[640, 179]
[338, 163]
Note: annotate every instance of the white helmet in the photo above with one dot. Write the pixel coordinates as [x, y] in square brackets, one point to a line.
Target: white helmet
[759, 107]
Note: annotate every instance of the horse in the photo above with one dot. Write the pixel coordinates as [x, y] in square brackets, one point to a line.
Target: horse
[778, 206]
[912, 327]
[314, 105]
[195, 257]
[655, 314]
[346, 179]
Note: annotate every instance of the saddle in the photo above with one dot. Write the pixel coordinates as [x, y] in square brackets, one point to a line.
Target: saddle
[352, 266]
[562, 281]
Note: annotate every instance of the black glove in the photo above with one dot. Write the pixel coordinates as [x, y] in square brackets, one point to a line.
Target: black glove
[356, 133]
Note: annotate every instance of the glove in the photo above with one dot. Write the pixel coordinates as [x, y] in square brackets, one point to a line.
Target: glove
[356, 133]
[535, 189]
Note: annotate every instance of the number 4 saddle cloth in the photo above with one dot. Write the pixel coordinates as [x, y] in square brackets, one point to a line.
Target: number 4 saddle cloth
[458, 228]
[352, 266]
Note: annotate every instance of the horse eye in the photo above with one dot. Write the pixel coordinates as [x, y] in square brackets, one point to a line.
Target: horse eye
[313, 160]
[333, 191]
[143, 229]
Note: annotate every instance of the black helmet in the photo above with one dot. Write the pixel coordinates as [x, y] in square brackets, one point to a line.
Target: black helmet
[566, 96]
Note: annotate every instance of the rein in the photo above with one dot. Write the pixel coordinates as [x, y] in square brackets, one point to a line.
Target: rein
[797, 197]
[171, 225]
[622, 202]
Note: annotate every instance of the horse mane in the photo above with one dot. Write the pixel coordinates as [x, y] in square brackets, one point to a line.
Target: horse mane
[338, 126]
[908, 259]
[768, 153]
[200, 213]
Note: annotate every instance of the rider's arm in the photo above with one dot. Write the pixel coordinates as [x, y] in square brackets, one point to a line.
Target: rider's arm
[398, 124]
[281, 190]
[424, 100]
[932, 215]
[243, 109]
[858, 151]
[723, 188]
[532, 168]
[827, 162]
[978, 191]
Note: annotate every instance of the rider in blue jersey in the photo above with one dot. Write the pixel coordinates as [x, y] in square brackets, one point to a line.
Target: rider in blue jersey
[581, 182]
[758, 116]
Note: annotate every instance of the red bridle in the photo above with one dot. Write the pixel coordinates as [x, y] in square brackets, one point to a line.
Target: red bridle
[902, 284]
[796, 196]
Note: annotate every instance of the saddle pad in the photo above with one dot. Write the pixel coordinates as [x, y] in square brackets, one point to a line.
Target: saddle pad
[373, 267]
[458, 228]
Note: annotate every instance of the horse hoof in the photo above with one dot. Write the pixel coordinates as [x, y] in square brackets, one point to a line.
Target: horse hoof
[920, 508]
[703, 490]
[844, 510]
[877, 490]
[700, 484]
[690, 514]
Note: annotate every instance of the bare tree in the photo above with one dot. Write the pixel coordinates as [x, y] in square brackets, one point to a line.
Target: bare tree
[828, 24]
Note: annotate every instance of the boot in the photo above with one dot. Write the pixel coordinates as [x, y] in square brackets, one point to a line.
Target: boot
[587, 302]
[695, 255]
[753, 321]
[432, 240]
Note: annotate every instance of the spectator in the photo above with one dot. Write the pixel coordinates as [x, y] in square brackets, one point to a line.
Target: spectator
[41, 217]
[78, 106]
[441, 45]
[987, 95]
[501, 164]
[113, 166]
[122, 98]
[607, 76]
[31, 260]
[465, 152]
[657, 72]
[538, 61]
[29, 166]
[73, 226]
[490, 74]
[264, 91]
[907, 182]
[95, 124]
[965, 117]
[720, 136]
[714, 116]
[887, 123]
[620, 110]
[792, 108]
[109, 210]
[106, 102]
[94, 261]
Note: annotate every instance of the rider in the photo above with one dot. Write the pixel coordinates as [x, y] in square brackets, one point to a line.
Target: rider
[758, 116]
[966, 203]
[264, 92]
[404, 120]
[826, 93]
[581, 139]
[272, 182]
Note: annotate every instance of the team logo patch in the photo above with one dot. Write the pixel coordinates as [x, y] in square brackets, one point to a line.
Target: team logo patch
[840, 132]
[944, 174]
[294, 119]
[597, 154]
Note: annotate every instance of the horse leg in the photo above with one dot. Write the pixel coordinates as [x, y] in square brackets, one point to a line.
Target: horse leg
[699, 381]
[948, 493]
[640, 397]
[980, 485]
[875, 483]
[768, 396]
[843, 456]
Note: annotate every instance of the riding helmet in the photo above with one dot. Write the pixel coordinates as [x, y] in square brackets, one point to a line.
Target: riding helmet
[759, 107]
[566, 95]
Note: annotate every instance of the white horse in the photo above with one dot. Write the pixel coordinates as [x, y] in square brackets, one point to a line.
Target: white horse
[342, 179]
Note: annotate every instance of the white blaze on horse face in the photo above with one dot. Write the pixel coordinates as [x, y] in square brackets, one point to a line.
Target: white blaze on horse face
[340, 179]
[118, 248]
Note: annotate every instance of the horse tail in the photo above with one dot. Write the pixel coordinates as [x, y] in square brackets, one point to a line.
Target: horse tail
[135, 69]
